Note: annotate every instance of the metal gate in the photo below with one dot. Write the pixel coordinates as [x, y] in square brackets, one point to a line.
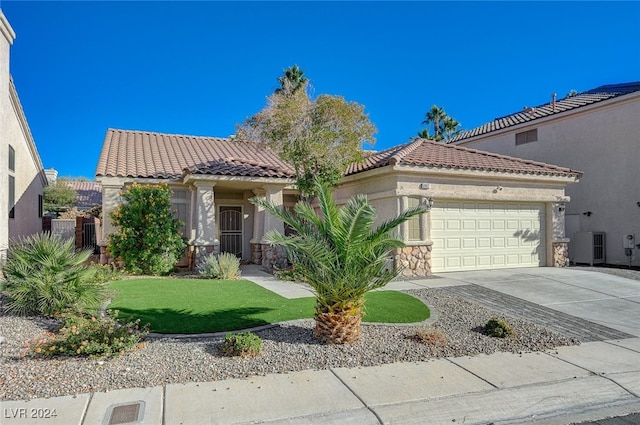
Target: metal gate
[89, 236]
[230, 220]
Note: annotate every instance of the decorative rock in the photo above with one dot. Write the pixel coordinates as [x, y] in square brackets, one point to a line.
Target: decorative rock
[286, 348]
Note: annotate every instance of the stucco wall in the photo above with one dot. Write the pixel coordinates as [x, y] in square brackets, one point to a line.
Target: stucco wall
[389, 189]
[6, 38]
[603, 142]
[28, 174]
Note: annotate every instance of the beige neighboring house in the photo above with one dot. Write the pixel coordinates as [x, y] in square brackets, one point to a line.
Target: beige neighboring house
[597, 132]
[22, 178]
[489, 211]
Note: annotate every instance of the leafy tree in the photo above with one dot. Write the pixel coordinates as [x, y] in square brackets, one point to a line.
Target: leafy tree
[147, 239]
[320, 137]
[444, 126]
[293, 80]
[340, 254]
[59, 197]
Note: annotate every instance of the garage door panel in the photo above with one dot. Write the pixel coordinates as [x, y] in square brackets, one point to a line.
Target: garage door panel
[469, 224]
[437, 224]
[497, 242]
[483, 224]
[484, 235]
[469, 261]
[453, 243]
[513, 259]
[513, 242]
[484, 242]
[453, 225]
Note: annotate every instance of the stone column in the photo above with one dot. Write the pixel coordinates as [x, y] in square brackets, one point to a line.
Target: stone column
[205, 242]
[559, 243]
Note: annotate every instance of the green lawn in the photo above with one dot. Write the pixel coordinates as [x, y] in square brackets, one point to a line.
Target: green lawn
[199, 305]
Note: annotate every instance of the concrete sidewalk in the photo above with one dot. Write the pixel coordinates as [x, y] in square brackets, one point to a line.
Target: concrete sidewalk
[571, 384]
[586, 382]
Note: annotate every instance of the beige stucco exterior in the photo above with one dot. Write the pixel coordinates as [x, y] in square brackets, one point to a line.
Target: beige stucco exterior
[205, 196]
[28, 172]
[389, 188]
[603, 141]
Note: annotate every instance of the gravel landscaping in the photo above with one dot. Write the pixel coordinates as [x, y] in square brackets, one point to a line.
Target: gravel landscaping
[288, 347]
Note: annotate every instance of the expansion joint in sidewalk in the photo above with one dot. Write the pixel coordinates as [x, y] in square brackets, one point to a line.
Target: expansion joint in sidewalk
[380, 421]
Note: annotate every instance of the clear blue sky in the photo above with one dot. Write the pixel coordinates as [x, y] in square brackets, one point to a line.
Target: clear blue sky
[200, 68]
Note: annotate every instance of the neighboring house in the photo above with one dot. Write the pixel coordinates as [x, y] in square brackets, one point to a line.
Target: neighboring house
[22, 178]
[489, 211]
[89, 194]
[597, 132]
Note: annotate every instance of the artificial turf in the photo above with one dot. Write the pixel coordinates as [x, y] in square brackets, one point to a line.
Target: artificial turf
[200, 305]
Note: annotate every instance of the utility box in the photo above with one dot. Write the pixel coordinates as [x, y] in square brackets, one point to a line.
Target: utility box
[588, 248]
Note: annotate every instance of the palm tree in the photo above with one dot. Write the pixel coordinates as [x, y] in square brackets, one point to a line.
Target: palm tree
[293, 79]
[450, 128]
[341, 255]
[422, 134]
[435, 116]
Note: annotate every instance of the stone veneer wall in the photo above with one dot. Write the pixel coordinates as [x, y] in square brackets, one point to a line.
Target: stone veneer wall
[273, 256]
[413, 260]
[256, 253]
[560, 254]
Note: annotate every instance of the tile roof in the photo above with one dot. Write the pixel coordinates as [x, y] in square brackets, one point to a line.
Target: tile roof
[127, 153]
[89, 193]
[427, 153]
[154, 155]
[567, 104]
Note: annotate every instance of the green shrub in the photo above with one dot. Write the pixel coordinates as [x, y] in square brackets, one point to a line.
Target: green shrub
[82, 335]
[497, 328]
[224, 266]
[290, 274]
[244, 344]
[45, 275]
[147, 238]
[103, 273]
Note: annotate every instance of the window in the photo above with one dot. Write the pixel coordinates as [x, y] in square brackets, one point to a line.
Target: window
[180, 204]
[40, 206]
[414, 224]
[12, 197]
[527, 137]
[12, 158]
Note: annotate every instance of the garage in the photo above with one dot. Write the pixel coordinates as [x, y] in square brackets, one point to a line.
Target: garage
[487, 235]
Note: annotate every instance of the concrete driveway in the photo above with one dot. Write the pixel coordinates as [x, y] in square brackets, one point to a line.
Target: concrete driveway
[601, 298]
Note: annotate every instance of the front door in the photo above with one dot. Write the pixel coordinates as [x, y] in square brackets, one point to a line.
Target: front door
[230, 220]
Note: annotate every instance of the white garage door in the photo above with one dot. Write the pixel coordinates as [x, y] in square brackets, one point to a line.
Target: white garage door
[486, 235]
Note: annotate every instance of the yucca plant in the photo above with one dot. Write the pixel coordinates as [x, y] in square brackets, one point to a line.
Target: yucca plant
[341, 255]
[45, 275]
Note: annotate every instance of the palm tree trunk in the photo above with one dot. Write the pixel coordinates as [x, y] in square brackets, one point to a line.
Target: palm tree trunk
[339, 323]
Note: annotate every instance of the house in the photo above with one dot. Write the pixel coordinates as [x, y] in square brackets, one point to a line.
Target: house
[597, 132]
[89, 194]
[22, 178]
[489, 210]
